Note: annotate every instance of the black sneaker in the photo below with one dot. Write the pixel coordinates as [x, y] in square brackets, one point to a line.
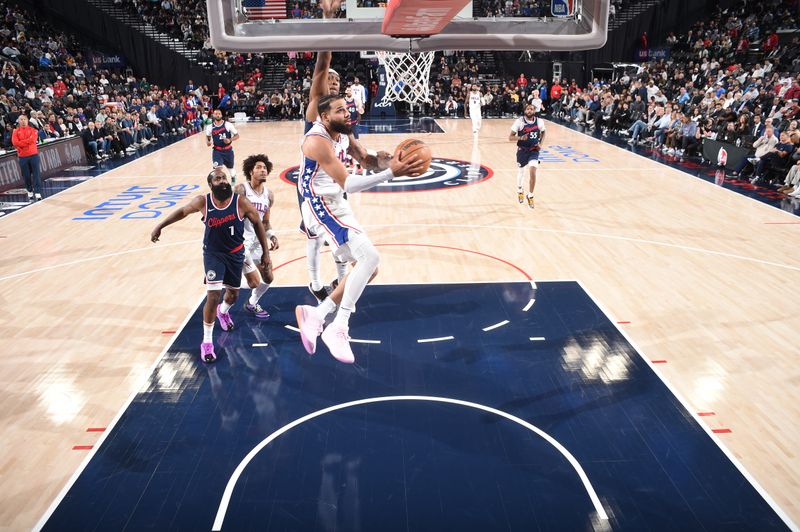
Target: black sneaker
[323, 292]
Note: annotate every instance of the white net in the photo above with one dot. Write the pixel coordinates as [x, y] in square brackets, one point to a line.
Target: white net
[407, 76]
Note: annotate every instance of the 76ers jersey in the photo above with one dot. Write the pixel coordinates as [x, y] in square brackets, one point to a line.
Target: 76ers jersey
[313, 181]
[262, 205]
[474, 100]
[224, 227]
[529, 133]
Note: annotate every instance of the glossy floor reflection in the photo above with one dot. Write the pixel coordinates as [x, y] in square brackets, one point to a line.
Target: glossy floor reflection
[558, 364]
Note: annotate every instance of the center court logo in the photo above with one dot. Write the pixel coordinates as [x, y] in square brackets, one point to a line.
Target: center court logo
[442, 175]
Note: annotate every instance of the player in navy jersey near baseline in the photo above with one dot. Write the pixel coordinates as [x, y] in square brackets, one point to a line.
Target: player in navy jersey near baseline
[256, 168]
[224, 214]
[220, 135]
[528, 132]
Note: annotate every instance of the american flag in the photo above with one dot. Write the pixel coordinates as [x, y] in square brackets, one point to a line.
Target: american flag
[264, 9]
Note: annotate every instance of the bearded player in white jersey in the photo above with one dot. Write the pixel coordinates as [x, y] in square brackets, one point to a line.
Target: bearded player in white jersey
[474, 107]
[259, 276]
[325, 81]
[323, 182]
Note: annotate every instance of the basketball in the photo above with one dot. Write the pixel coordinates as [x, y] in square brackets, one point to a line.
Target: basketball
[416, 147]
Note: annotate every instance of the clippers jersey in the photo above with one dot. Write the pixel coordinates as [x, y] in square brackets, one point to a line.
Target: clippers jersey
[224, 227]
[261, 203]
[219, 133]
[530, 133]
[352, 108]
[313, 181]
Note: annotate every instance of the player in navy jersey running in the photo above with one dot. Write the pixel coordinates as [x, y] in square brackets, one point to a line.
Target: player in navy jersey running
[528, 132]
[221, 134]
[224, 214]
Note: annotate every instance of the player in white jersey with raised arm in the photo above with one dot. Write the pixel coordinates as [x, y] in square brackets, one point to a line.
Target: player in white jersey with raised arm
[323, 182]
[259, 276]
[474, 106]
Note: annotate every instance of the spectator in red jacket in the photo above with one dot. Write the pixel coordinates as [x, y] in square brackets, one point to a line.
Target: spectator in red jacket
[24, 140]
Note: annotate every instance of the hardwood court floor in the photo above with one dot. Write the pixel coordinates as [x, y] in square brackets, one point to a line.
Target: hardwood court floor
[707, 279]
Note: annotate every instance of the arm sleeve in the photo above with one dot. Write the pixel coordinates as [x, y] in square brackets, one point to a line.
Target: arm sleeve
[208, 130]
[515, 126]
[358, 182]
[541, 125]
[231, 128]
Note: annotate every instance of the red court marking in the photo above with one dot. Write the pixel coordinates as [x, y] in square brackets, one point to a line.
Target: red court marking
[623, 323]
[658, 361]
[721, 431]
[82, 447]
[520, 270]
[703, 414]
[96, 429]
[167, 332]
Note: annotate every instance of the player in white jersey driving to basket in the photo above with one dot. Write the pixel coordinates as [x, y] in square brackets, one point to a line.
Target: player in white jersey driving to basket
[259, 276]
[323, 180]
[325, 81]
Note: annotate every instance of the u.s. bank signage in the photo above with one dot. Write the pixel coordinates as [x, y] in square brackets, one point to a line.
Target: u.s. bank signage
[443, 174]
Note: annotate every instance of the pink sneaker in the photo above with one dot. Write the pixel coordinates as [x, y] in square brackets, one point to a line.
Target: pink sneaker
[310, 327]
[338, 342]
[207, 354]
[225, 320]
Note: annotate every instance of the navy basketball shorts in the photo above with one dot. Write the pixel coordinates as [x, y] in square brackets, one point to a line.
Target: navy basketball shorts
[223, 269]
[222, 158]
[527, 158]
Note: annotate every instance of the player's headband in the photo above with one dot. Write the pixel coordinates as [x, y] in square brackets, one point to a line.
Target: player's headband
[332, 71]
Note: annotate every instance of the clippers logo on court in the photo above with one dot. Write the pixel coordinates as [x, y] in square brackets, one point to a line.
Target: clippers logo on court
[443, 174]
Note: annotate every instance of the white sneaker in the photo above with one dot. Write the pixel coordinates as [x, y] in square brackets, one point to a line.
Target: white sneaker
[336, 338]
[310, 327]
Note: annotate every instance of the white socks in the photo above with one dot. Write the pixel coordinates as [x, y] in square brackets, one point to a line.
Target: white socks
[257, 292]
[326, 307]
[208, 332]
[224, 307]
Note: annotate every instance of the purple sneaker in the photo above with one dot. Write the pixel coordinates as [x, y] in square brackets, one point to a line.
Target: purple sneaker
[225, 320]
[256, 310]
[207, 354]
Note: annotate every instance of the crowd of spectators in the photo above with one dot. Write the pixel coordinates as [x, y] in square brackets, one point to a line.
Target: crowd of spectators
[47, 76]
[728, 78]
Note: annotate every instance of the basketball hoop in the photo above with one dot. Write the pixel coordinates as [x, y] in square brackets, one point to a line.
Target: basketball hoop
[407, 76]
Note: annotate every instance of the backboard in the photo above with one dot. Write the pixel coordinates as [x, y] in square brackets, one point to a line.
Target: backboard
[248, 26]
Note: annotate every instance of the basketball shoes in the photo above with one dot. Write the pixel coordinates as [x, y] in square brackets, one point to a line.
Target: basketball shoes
[207, 354]
[310, 326]
[336, 338]
[225, 320]
[530, 201]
